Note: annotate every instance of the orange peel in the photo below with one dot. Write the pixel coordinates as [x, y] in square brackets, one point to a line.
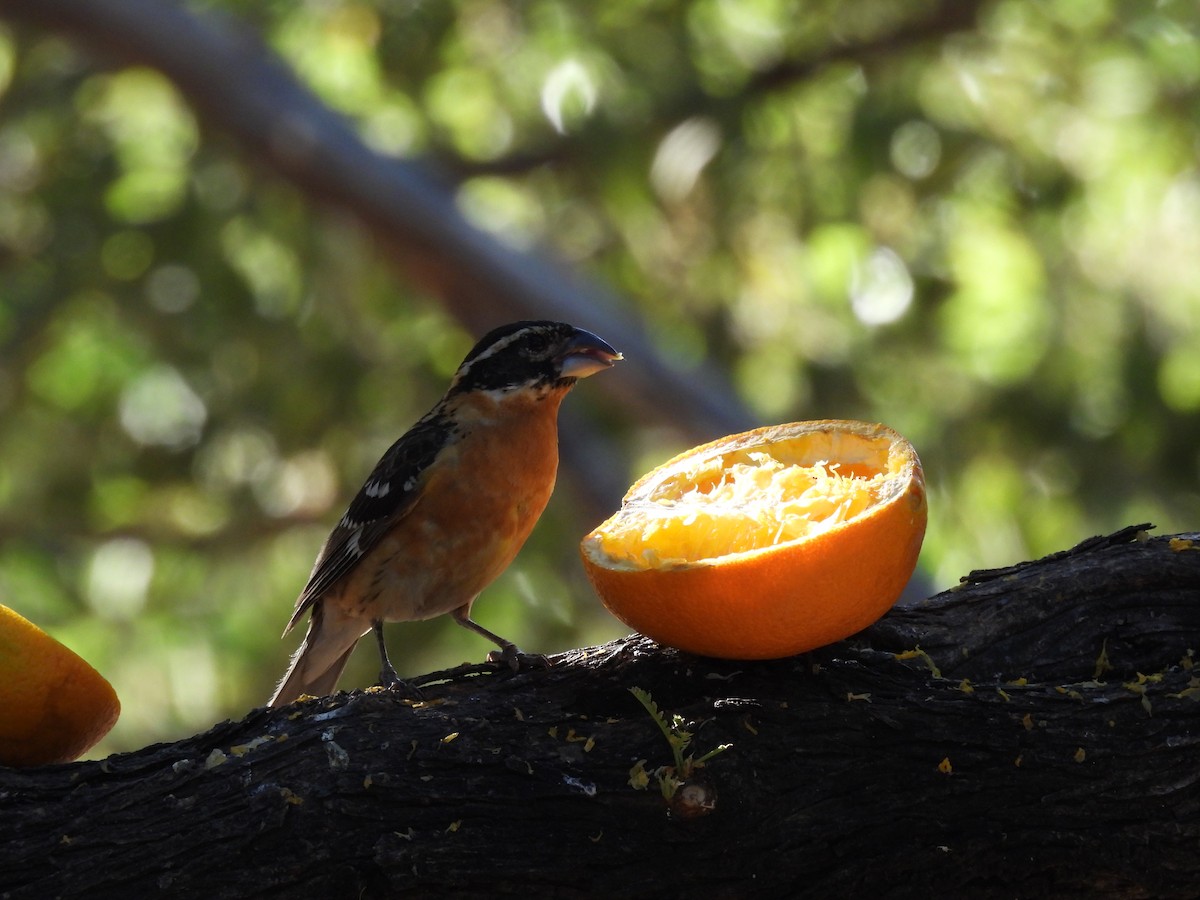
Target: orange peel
[56, 707]
[767, 543]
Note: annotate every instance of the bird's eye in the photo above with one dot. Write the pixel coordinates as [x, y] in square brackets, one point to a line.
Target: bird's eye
[537, 343]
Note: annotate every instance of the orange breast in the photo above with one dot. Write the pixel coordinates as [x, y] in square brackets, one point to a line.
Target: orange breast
[475, 512]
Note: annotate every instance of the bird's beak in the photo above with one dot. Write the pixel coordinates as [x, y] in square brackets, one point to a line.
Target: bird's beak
[585, 354]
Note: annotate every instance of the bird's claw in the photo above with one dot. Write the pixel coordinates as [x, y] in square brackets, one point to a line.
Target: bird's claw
[516, 660]
[389, 680]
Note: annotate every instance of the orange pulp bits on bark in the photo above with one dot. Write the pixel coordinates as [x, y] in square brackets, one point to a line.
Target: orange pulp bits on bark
[767, 543]
[54, 707]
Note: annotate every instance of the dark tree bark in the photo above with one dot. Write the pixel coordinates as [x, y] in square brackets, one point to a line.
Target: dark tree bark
[1043, 741]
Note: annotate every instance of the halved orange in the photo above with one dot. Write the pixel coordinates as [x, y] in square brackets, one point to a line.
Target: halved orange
[767, 543]
[54, 707]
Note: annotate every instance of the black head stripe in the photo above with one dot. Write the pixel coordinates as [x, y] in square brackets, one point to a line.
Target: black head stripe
[516, 355]
[497, 334]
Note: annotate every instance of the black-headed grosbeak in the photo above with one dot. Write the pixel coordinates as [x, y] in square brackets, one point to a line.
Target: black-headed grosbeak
[448, 506]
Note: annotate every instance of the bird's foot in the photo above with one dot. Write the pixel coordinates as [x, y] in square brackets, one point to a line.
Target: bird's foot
[512, 656]
[389, 680]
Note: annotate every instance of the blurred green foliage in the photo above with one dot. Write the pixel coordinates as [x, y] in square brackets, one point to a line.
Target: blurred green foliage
[987, 238]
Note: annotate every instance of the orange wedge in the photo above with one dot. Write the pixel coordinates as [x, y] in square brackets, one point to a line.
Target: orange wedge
[767, 543]
[54, 707]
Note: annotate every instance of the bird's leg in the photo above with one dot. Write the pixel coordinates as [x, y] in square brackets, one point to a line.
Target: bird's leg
[387, 672]
[509, 652]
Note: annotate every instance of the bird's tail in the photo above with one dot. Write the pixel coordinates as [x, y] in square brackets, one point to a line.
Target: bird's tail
[317, 664]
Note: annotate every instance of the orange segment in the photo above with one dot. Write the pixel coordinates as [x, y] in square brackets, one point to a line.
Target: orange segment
[55, 707]
[766, 543]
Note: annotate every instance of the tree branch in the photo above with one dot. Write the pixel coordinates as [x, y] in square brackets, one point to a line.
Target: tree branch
[858, 770]
[912, 29]
[238, 86]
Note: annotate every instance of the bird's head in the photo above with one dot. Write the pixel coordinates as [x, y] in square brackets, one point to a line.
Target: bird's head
[532, 355]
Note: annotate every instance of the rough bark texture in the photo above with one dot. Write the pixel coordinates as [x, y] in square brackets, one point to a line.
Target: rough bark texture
[1043, 742]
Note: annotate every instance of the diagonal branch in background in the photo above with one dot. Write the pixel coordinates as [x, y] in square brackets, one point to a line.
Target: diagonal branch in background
[237, 85]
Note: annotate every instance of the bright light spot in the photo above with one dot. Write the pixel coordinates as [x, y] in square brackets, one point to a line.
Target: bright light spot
[303, 485]
[392, 129]
[196, 513]
[969, 83]
[881, 289]
[753, 32]
[916, 149]
[1086, 146]
[268, 266]
[237, 457]
[505, 209]
[154, 137]
[172, 288]
[20, 160]
[160, 408]
[192, 679]
[1179, 378]
[118, 578]
[682, 156]
[1100, 410]
[772, 382]
[8, 60]
[568, 92]
[1119, 86]
[997, 321]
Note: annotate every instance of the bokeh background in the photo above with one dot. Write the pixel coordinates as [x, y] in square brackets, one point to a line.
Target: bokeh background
[978, 222]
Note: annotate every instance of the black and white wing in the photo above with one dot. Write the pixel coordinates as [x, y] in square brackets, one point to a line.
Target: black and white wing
[387, 496]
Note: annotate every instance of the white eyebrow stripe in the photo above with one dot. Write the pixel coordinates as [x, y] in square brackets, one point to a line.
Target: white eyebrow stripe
[492, 350]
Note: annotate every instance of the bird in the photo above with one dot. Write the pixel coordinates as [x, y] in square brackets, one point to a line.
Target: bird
[447, 507]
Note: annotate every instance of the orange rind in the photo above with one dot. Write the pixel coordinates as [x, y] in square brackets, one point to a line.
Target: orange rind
[55, 706]
[767, 543]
